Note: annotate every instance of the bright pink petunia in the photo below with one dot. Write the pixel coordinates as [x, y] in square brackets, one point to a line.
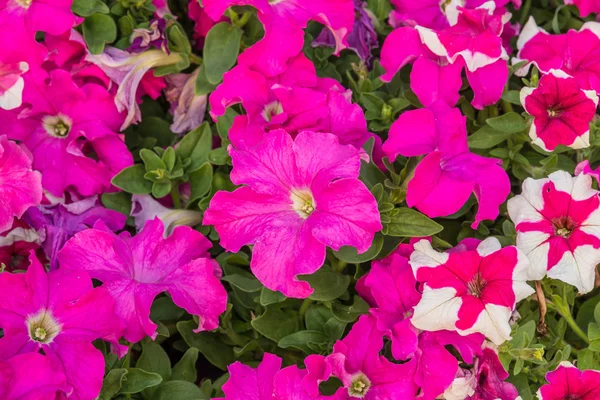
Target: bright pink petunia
[136, 269]
[586, 7]
[448, 175]
[284, 21]
[295, 100]
[558, 227]
[561, 110]
[426, 13]
[470, 291]
[575, 52]
[72, 133]
[59, 313]
[16, 244]
[300, 196]
[364, 373]
[490, 376]
[50, 16]
[568, 382]
[21, 187]
[16, 382]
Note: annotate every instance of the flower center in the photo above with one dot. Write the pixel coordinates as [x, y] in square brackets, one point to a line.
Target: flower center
[272, 109]
[564, 226]
[476, 285]
[303, 202]
[359, 386]
[42, 327]
[57, 126]
[554, 113]
[24, 3]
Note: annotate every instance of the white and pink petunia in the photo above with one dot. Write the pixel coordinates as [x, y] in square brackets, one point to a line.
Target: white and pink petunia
[561, 110]
[558, 227]
[469, 291]
[568, 382]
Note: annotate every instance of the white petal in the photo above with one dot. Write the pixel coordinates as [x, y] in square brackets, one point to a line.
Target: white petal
[562, 180]
[13, 97]
[591, 94]
[520, 210]
[528, 32]
[424, 255]
[437, 310]
[592, 26]
[431, 40]
[581, 142]
[577, 268]
[493, 323]
[537, 253]
[523, 94]
[488, 246]
[532, 191]
[582, 187]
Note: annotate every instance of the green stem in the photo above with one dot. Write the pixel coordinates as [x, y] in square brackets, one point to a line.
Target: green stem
[175, 196]
[194, 59]
[566, 314]
[339, 267]
[304, 307]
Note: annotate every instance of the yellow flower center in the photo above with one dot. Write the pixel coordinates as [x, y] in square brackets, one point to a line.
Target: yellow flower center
[359, 386]
[303, 202]
[57, 126]
[43, 327]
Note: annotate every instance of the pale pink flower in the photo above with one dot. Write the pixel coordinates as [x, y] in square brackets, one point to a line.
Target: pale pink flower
[558, 227]
[470, 291]
[299, 197]
[137, 269]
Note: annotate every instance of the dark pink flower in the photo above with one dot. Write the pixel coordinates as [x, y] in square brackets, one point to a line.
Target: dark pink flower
[586, 7]
[21, 186]
[557, 221]
[72, 133]
[489, 379]
[567, 382]
[300, 197]
[284, 21]
[59, 313]
[136, 269]
[50, 16]
[470, 291]
[16, 244]
[448, 175]
[16, 382]
[561, 110]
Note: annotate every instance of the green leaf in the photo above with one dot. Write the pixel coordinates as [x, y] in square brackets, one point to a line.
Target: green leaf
[350, 254]
[221, 48]
[196, 145]
[595, 346]
[151, 160]
[155, 359]
[299, 340]
[268, 297]
[224, 122]
[245, 283]
[112, 383]
[163, 309]
[406, 222]
[276, 324]
[137, 380]
[327, 285]
[202, 86]
[161, 189]
[350, 313]
[201, 181]
[169, 157]
[185, 369]
[508, 123]
[219, 156]
[512, 96]
[132, 180]
[85, 8]
[209, 344]
[120, 202]
[98, 29]
[597, 313]
[334, 328]
[179, 390]
[178, 41]
[593, 331]
[487, 137]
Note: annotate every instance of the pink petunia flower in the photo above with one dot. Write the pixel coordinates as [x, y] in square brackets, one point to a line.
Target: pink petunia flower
[470, 291]
[568, 382]
[16, 382]
[284, 21]
[16, 244]
[364, 373]
[490, 376]
[59, 313]
[295, 100]
[561, 110]
[58, 223]
[136, 269]
[300, 196]
[21, 187]
[448, 175]
[586, 7]
[72, 133]
[558, 221]
[50, 16]
[426, 13]
[575, 52]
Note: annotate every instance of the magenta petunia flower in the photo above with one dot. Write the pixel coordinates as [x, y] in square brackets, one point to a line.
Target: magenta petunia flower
[575, 52]
[558, 227]
[50, 16]
[586, 7]
[59, 313]
[568, 382]
[299, 197]
[561, 110]
[16, 382]
[294, 100]
[72, 133]
[426, 13]
[136, 269]
[470, 291]
[57, 223]
[284, 21]
[364, 373]
[489, 378]
[21, 186]
[448, 175]
[16, 244]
